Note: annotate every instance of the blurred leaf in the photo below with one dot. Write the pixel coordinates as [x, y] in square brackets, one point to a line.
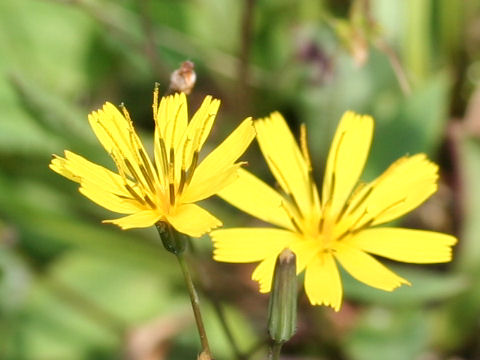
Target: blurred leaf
[460, 319]
[52, 51]
[242, 331]
[468, 257]
[416, 125]
[47, 224]
[128, 292]
[427, 287]
[417, 41]
[381, 334]
[15, 281]
[19, 133]
[52, 111]
[224, 17]
[52, 329]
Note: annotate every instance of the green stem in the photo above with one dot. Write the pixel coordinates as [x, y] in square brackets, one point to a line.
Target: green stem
[274, 350]
[195, 305]
[205, 288]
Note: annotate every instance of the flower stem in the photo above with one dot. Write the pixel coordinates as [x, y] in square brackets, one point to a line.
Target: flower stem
[195, 306]
[274, 350]
[205, 288]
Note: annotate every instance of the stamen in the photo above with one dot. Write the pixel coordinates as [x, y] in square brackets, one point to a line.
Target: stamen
[147, 178]
[354, 225]
[171, 188]
[303, 144]
[132, 171]
[150, 202]
[308, 160]
[320, 224]
[195, 148]
[146, 164]
[126, 115]
[182, 181]
[183, 170]
[171, 177]
[342, 212]
[163, 149]
[361, 201]
[192, 167]
[174, 126]
[134, 141]
[118, 148]
[112, 138]
[155, 101]
[353, 230]
[201, 132]
[124, 197]
[332, 180]
[171, 163]
[287, 191]
[332, 186]
[134, 194]
[389, 207]
[291, 217]
[119, 166]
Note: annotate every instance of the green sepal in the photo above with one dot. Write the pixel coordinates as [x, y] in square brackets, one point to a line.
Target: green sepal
[172, 240]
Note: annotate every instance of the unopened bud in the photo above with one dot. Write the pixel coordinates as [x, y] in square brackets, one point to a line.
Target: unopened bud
[282, 308]
[183, 79]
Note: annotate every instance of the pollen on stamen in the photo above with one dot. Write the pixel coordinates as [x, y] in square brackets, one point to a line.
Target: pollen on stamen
[155, 101]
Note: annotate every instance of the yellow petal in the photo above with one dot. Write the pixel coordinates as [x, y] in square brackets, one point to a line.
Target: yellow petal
[84, 170]
[198, 129]
[366, 269]
[305, 249]
[405, 185]
[411, 246]
[202, 121]
[285, 159]
[226, 153]
[172, 119]
[263, 273]
[118, 137]
[346, 159]
[58, 164]
[253, 196]
[192, 220]
[108, 200]
[322, 282]
[111, 129]
[240, 245]
[210, 186]
[141, 219]
[193, 136]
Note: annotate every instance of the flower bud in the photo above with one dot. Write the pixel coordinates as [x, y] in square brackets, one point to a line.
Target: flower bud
[282, 308]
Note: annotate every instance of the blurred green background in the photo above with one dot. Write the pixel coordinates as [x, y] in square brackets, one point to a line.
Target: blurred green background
[72, 288]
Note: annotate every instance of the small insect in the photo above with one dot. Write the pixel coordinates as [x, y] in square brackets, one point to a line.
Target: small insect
[183, 79]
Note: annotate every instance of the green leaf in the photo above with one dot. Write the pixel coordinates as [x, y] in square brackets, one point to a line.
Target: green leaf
[381, 334]
[427, 287]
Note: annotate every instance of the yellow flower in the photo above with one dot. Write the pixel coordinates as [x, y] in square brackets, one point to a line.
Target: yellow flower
[166, 189]
[341, 227]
